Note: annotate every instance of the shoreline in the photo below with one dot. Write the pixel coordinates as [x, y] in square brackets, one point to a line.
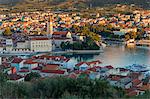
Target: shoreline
[52, 52]
[79, 51]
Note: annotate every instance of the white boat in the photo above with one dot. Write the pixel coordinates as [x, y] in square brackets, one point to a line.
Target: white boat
[103, 45]
[138, 68]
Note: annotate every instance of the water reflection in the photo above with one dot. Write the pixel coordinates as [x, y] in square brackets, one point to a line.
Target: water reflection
[118, 56]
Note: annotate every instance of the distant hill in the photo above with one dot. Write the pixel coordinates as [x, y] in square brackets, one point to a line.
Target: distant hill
[93, 3]
[141, 3]
[9, 1]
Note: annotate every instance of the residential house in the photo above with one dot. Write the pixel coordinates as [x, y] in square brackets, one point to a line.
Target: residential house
[136, 75]
[125, 82]
[82, 66]
[17, 63]
[62, 34]
[50, 73]
[59, 37]
[23, 71]
[137, 83]
[30, 64]
[15, 78]
[147, 32]
[63, 61]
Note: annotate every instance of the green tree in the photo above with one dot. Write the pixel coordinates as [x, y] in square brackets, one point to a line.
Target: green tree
[127, 37]
[7, 32]
[3, 77]
[32, 75]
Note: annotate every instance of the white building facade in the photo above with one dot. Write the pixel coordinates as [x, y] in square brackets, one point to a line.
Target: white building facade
[40, 45]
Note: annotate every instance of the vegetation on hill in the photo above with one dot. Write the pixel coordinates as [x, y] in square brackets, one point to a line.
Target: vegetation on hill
[59, 87]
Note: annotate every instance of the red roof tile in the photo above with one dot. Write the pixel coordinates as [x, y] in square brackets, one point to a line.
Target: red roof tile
[144, 87]
[133, 93]
[60, 33]
[79, 64]
[136, 82]
[24, 70]
[39, 38]
[115, 78]
[30, 61]
[92, 69]
[14, 76]
[37, 68]
[51, 67]
[53, 71]
[17, 60]
[78, 71]
[6, 64]
[109, 67]
[60, 38]
[74, 76]
[94, 62]
[88, 63]
[147, 29]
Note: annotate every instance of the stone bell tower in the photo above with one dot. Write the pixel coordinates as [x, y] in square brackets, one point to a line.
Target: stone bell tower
[50, 26]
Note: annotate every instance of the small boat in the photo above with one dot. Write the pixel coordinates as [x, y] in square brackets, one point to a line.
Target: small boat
[103, 45]
[137, 67]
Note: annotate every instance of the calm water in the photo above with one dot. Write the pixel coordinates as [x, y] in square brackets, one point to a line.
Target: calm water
[118, 56]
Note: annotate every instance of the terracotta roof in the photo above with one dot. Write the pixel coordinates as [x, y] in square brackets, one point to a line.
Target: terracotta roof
[30, 61]
[109, 67]
[134, 75]
[37, 68]
[60, 33]
[17, 60]
[92, 69]
[24, 70]
[94, 62]
[133, 93]
[147, 29]
[88, 63]
[129, 90]
[79, 64]
[5, 64]
[51, 67]
[53, 71]
[136, 82]
[39, 38]
[145, 87]
[86, 72]
[60, 38]
[78, 71]
[14, 76]
[73, 75]
[115, 78]
[66, 60]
